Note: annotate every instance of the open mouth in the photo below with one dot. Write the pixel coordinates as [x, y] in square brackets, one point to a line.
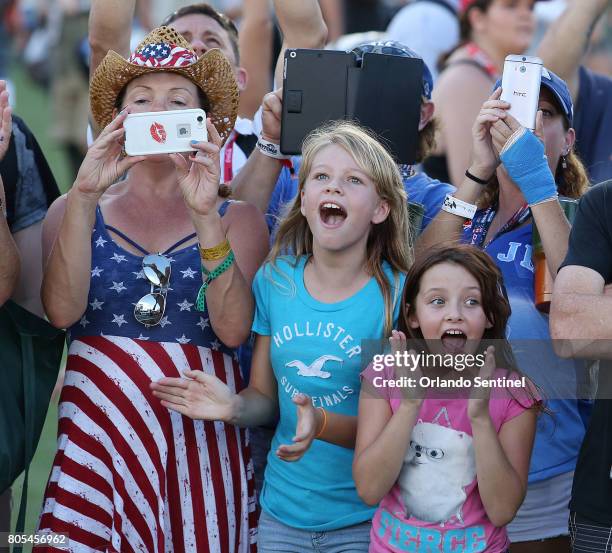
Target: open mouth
[454, 340]
[332, 215]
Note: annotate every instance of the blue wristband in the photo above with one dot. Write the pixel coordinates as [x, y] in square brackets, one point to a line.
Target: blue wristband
[526, 164]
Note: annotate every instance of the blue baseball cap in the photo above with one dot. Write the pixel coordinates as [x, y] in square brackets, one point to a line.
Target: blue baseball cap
[559, 89]
[394, 48]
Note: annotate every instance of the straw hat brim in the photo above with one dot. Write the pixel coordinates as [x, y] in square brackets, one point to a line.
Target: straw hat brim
[212, 73]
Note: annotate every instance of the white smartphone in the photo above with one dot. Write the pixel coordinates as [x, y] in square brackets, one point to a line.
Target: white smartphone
[521, 87]
[163, 132]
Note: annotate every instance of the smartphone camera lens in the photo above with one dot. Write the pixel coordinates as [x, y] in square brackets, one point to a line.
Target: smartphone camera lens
[293, 54]
[523, 69]
[524, 59]
[200, 118]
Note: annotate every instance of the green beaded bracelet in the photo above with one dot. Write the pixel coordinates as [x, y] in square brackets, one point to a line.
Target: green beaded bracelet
[209, 276]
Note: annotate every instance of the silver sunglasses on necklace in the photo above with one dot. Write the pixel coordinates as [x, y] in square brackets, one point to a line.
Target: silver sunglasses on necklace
[150, 309]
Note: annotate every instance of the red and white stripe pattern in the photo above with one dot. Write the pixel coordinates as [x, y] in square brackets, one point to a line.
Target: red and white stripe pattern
[163, 54]
[129, 474]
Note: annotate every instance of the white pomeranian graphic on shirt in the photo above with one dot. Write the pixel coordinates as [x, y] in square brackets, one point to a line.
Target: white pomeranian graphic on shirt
[439, 464]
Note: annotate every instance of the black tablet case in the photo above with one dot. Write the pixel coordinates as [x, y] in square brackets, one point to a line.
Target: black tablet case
[383, 94]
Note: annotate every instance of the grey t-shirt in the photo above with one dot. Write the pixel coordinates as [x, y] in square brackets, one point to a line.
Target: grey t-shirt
[29, 185]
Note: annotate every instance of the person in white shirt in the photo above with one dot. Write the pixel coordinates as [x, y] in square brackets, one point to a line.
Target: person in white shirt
[429, 27]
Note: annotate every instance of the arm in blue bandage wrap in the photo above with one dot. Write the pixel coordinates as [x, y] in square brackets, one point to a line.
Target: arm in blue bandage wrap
[526, 164]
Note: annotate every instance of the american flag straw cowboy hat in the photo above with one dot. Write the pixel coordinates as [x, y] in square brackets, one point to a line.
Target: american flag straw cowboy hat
[163, 49]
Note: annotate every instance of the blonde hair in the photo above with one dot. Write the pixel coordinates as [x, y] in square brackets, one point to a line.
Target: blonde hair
[390, 240]
[427, 140]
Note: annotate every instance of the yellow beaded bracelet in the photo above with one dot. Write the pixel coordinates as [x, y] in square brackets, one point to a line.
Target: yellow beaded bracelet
[216, 252]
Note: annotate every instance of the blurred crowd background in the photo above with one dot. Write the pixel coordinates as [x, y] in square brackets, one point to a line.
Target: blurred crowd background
[44, 56]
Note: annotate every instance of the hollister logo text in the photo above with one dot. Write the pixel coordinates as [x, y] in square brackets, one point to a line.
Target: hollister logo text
[158, 133]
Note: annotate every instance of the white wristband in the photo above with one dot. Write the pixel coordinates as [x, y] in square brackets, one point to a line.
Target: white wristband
[458, 207]
[270, 149]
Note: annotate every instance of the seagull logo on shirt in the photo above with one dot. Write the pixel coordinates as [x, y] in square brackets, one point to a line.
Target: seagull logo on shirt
[314, 369]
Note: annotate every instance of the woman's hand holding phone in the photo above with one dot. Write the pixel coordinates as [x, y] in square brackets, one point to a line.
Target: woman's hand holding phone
[485, 156]
[199, 174]
[104, 162]
[504, 130]
[524, 157]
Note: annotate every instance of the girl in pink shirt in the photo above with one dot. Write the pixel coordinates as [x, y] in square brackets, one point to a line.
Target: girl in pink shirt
[448, 464]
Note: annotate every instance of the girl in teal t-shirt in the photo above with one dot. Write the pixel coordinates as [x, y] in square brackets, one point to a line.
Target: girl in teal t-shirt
[350, 247]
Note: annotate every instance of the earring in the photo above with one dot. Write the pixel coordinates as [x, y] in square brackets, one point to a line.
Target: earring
[564, 162]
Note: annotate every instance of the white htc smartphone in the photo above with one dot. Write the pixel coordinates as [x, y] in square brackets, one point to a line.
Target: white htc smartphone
[521, 87]
[163, 132]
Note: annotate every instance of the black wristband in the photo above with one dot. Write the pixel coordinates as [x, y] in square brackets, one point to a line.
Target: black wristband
[476, 179]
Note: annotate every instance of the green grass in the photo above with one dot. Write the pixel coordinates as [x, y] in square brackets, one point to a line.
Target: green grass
[33, 106]
[39, 473]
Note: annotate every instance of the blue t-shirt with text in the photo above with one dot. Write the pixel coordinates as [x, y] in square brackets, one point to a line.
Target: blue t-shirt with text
[315, 349]
[559, 434]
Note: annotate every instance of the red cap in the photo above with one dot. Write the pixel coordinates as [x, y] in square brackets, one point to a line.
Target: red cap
[465, 4]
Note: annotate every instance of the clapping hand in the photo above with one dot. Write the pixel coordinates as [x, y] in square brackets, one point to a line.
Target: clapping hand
[305, 432]
[410, 394]
[6, 120]
[198, 396]
[478, 404]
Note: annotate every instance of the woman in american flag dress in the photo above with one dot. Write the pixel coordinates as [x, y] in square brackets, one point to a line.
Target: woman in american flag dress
[129, 475]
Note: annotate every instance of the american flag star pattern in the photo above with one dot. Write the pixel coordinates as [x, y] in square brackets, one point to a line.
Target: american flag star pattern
[163, 55]
[129, 474]
[116, 287]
